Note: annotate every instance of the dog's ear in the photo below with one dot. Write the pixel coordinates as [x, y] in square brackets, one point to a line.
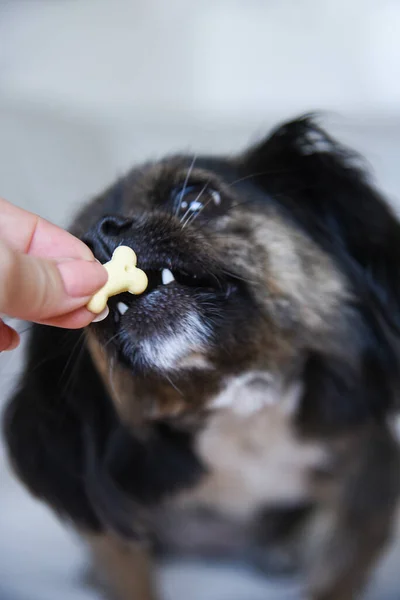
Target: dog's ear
[323, 188]
[68, 446]
[43, 422]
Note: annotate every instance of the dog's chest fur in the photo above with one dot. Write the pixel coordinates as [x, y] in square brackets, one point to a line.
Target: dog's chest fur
[253, 460]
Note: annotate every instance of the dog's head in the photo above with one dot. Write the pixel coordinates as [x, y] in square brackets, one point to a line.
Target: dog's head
[275, 268]
[267, 264]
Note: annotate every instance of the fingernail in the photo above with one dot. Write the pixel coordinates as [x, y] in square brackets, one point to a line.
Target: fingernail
[103, 315]
[82, 277]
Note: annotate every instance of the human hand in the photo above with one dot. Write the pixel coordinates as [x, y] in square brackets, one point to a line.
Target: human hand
[46, 274]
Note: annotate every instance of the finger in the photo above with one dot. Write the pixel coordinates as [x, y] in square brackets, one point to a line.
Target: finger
[9, 338]
[36, 289]
[28, 233]
[76, 319]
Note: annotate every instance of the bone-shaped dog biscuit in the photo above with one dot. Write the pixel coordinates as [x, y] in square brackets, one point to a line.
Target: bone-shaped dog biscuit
[123, 276]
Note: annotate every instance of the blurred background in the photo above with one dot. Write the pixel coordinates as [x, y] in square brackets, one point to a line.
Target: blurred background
[88, 87]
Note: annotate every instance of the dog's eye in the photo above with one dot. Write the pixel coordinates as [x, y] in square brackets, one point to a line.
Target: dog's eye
[194, 200]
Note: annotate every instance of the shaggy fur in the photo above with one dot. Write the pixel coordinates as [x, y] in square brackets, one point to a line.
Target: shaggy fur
[243, 406]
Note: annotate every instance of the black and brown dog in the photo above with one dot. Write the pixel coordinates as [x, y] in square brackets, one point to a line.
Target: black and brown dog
[243, 406]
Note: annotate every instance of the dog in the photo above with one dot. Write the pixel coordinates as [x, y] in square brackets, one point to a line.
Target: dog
[243, 407]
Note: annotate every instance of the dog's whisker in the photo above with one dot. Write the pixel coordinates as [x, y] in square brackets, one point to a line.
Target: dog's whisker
[246, 178]
[259, 174]
[74, 370]
[71, 356]
[182, 193]
[112, 338]
[240, 277]
[247, 202]
[193, 217]
[111, 373]
[53, 355]
[187, 214]
[173, 385]
[204, 222]
[199, 195]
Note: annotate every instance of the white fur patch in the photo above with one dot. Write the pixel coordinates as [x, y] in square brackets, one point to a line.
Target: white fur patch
[250, 392]
[195, 361]
[250, 448]
[165, 351]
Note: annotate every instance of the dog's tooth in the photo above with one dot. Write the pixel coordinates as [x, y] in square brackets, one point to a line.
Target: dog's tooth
[122, 308]
[166, 276]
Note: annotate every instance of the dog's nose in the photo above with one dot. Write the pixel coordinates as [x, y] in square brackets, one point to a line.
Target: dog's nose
[104, 236]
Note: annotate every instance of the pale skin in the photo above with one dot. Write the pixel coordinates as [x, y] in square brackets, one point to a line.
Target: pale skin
[46, 274]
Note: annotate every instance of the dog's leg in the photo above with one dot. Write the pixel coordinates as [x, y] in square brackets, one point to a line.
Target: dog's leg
[341, 570]
[350, 534]
[124, 568]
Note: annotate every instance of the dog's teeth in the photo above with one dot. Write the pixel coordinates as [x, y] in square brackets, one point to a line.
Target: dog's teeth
[166, 276]
[122, 308]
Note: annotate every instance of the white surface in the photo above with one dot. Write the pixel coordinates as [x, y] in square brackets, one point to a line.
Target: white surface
[88, 87]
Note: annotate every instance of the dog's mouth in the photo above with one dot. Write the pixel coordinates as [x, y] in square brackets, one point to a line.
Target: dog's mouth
[191, 302]
[167, 277]
[175, 282]
[174, 318]
[193, 305]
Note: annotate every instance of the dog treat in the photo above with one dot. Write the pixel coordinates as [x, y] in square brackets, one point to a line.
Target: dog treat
[123, 276]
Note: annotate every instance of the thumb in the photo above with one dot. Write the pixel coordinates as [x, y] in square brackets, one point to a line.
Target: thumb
[38, 289]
